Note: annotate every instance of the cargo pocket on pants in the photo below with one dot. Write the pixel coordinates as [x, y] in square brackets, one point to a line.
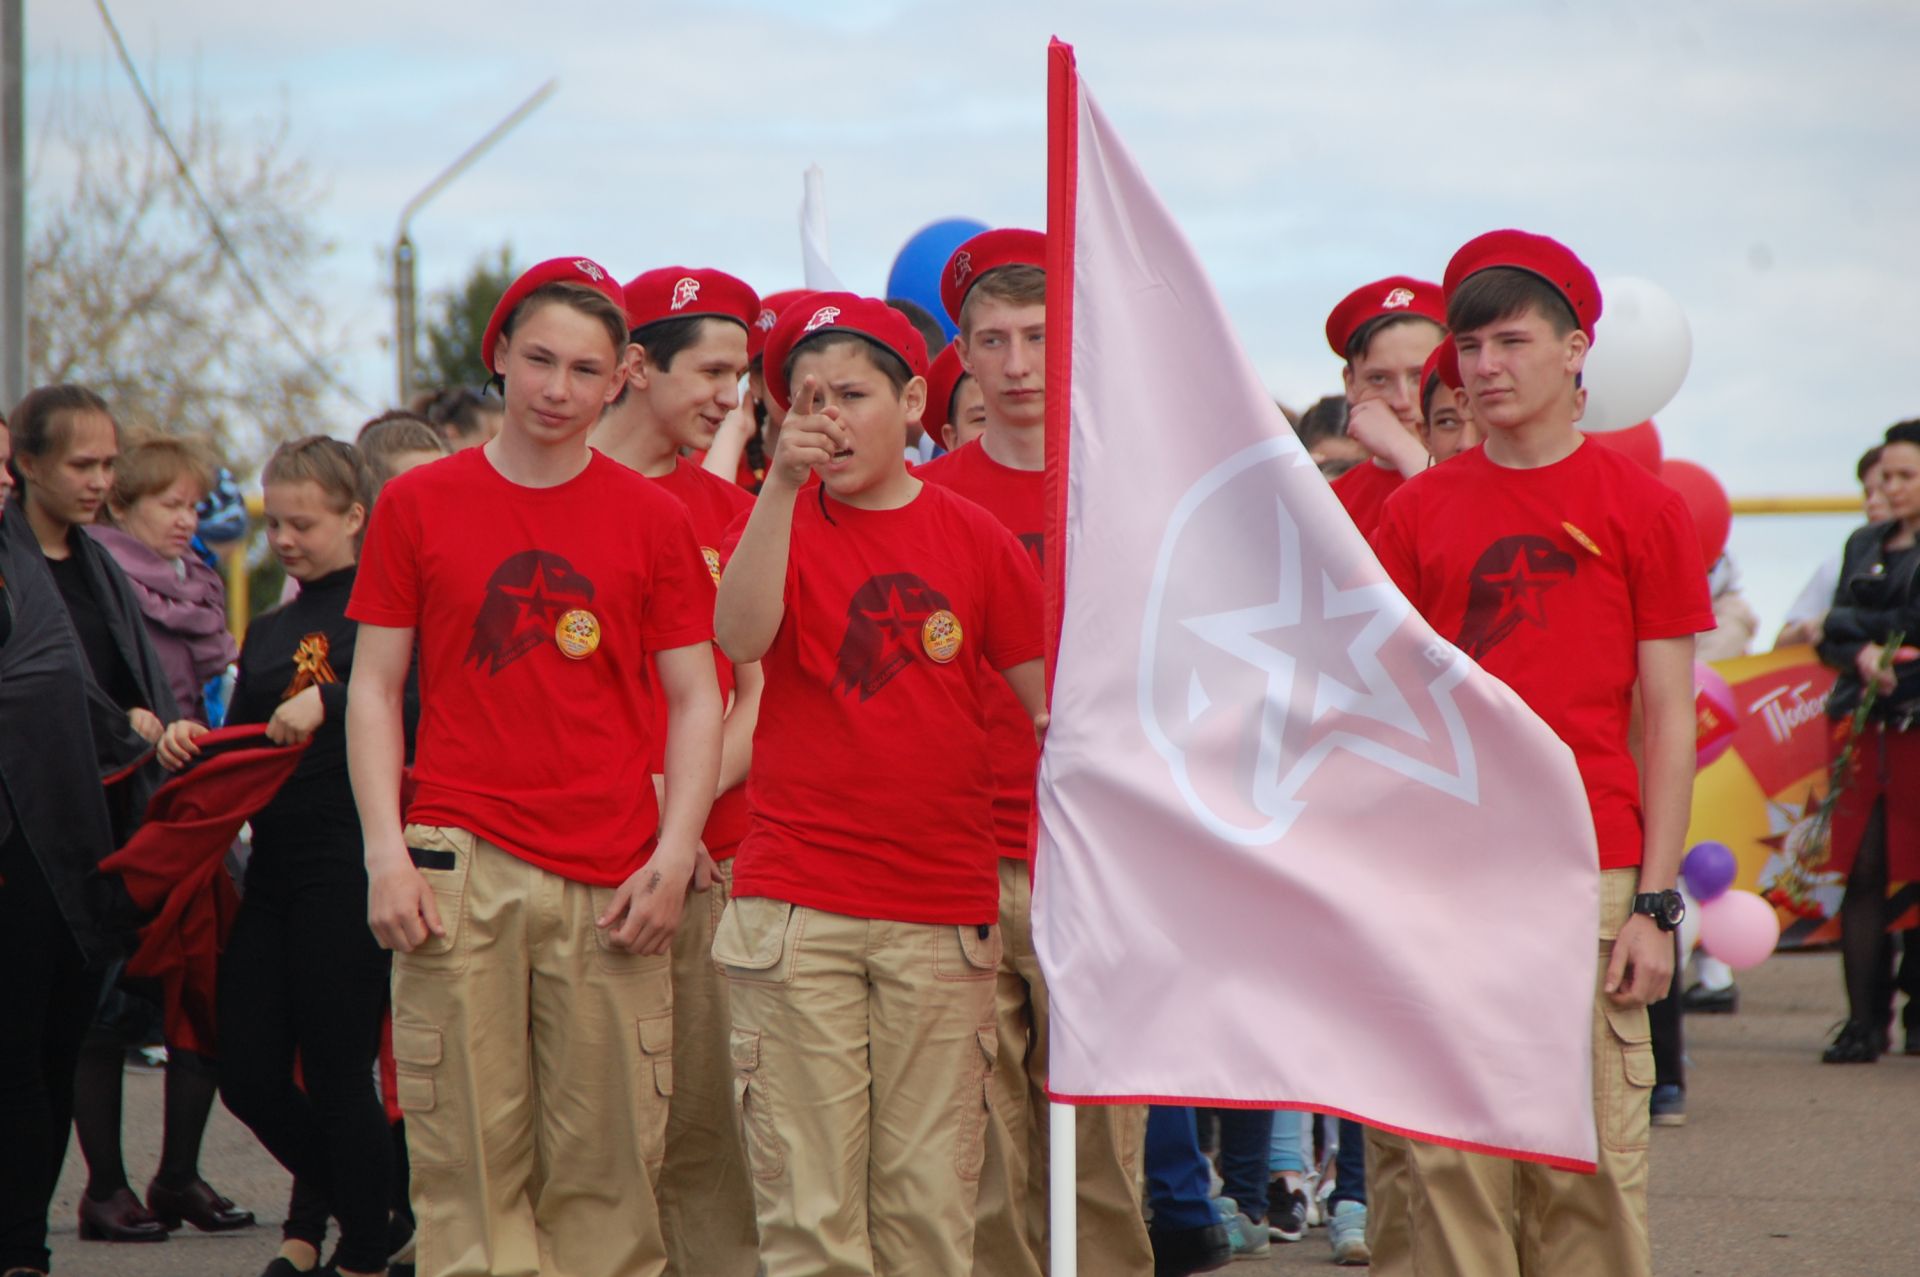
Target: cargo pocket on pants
[967, 953]
[751, 941]
[764, 1157]
[1626, 1073]
[976, 1100]
[431, 1140]
[444, 858]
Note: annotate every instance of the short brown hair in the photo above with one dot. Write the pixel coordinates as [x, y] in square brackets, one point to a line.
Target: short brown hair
[891, 366]
[588, 301]
[338, 468]
[1362, 339]
[392, 434]
[1505, 292]
[155, 462]
[1017, 285]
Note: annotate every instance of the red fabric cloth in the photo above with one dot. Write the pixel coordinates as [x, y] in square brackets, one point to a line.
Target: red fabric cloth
[541, 752]
[175, 862]
[1549, 578]
[1363, 493]
[1017, 498]
[846, 815]
[714, 505]
[1885, 768]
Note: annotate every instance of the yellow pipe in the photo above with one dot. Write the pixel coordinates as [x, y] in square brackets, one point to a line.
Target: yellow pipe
[1796, 505]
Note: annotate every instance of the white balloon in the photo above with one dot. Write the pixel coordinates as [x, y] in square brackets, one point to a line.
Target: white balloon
[1641, 351]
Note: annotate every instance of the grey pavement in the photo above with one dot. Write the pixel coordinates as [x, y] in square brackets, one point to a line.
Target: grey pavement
[1786, 1166]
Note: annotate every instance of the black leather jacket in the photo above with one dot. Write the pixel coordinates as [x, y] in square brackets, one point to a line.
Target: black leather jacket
[1878, 596]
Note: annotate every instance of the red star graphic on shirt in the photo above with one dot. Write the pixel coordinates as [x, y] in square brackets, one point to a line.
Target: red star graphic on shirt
[1521, 587]
[535, 600]
[899, 627]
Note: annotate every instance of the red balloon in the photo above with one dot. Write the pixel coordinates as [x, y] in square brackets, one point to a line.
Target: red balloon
[1706, 502]
[1641, 442]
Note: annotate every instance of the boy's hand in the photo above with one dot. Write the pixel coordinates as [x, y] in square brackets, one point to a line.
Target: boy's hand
[646, 909]
[401, 908]
[810, 437]
[146, 723]
[1642, 965]
[1380, 431]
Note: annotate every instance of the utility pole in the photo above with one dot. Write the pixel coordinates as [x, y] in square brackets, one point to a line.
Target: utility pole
[403, 257]
[13, 204]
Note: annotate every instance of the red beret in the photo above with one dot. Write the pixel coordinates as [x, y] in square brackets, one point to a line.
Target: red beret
[989, 250]
[680, 292]
[770, 307]
[869, 317]
[1395, 295]
[1443, 363]
[943, 378]
[555, 270]
[1537, 255]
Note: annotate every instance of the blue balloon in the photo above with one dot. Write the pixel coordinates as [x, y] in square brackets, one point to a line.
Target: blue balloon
[917, 267]
[1709, 869]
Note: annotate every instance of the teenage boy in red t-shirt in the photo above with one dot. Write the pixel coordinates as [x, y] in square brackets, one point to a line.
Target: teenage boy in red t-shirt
[1384, 332]
[533, 893]
[1447, 424]
[995, 289]
[1573, 575]
[881, 608]
[689, 331]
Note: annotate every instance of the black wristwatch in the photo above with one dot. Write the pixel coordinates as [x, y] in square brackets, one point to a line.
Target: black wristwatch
[1666, 908]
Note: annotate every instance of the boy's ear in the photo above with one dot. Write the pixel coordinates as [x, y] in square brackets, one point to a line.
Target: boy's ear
[1346, 378]
[914, 398]
[960, 349]
[1577, 346]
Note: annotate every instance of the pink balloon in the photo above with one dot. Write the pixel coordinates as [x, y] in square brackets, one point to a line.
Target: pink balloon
[1713, 709]
[1739, 928]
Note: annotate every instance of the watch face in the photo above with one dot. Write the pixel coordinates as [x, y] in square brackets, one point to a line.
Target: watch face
[1674, 907]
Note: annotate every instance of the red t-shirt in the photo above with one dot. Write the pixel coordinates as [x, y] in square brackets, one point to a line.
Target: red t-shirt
[1018, 498]
[541, 753]
[895, 623]
[1549, 578]
[714, 505]
[1364, 490]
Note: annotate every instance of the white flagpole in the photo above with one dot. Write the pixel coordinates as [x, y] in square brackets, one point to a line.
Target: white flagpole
[1063, 1191]
[816, 264]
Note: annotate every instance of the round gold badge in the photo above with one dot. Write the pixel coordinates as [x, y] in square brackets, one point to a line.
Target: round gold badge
[940, 636]
[577, 634]
[712, 556]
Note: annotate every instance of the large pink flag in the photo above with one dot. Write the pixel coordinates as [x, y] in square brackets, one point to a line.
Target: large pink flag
[1295, 849]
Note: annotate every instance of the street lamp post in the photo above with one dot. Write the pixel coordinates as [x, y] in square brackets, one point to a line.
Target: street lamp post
[403, 257]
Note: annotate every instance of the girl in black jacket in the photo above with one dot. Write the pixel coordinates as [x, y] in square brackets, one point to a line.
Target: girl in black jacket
[302, 971]
[1875, 837]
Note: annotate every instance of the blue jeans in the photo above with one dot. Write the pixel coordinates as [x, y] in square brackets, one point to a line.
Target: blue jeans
[1350, 1165]
[1245, 1137]
[1177, 1178]
[1284, 1152]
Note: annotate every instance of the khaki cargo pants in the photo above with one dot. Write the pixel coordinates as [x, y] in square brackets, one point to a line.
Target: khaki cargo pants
[1010, 1237]
[862, 1061]
[534, 1063]
[1471, 1215]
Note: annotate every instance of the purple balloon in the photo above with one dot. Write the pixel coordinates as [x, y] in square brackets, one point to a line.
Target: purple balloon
[1709, 870]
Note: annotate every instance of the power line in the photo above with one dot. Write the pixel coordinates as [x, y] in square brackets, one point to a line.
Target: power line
[226, 245]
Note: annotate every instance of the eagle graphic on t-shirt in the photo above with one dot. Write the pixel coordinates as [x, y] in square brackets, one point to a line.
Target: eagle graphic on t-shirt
[1509, 583]
[526, 595]
[885, 620]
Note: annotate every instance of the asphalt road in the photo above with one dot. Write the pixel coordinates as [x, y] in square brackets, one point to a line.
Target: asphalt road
[1786, 1167]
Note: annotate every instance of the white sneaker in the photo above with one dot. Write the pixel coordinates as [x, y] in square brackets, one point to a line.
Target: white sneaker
[1347, 1232]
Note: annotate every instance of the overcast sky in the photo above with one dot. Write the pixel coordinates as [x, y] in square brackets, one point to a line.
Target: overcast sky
[1760, 159]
